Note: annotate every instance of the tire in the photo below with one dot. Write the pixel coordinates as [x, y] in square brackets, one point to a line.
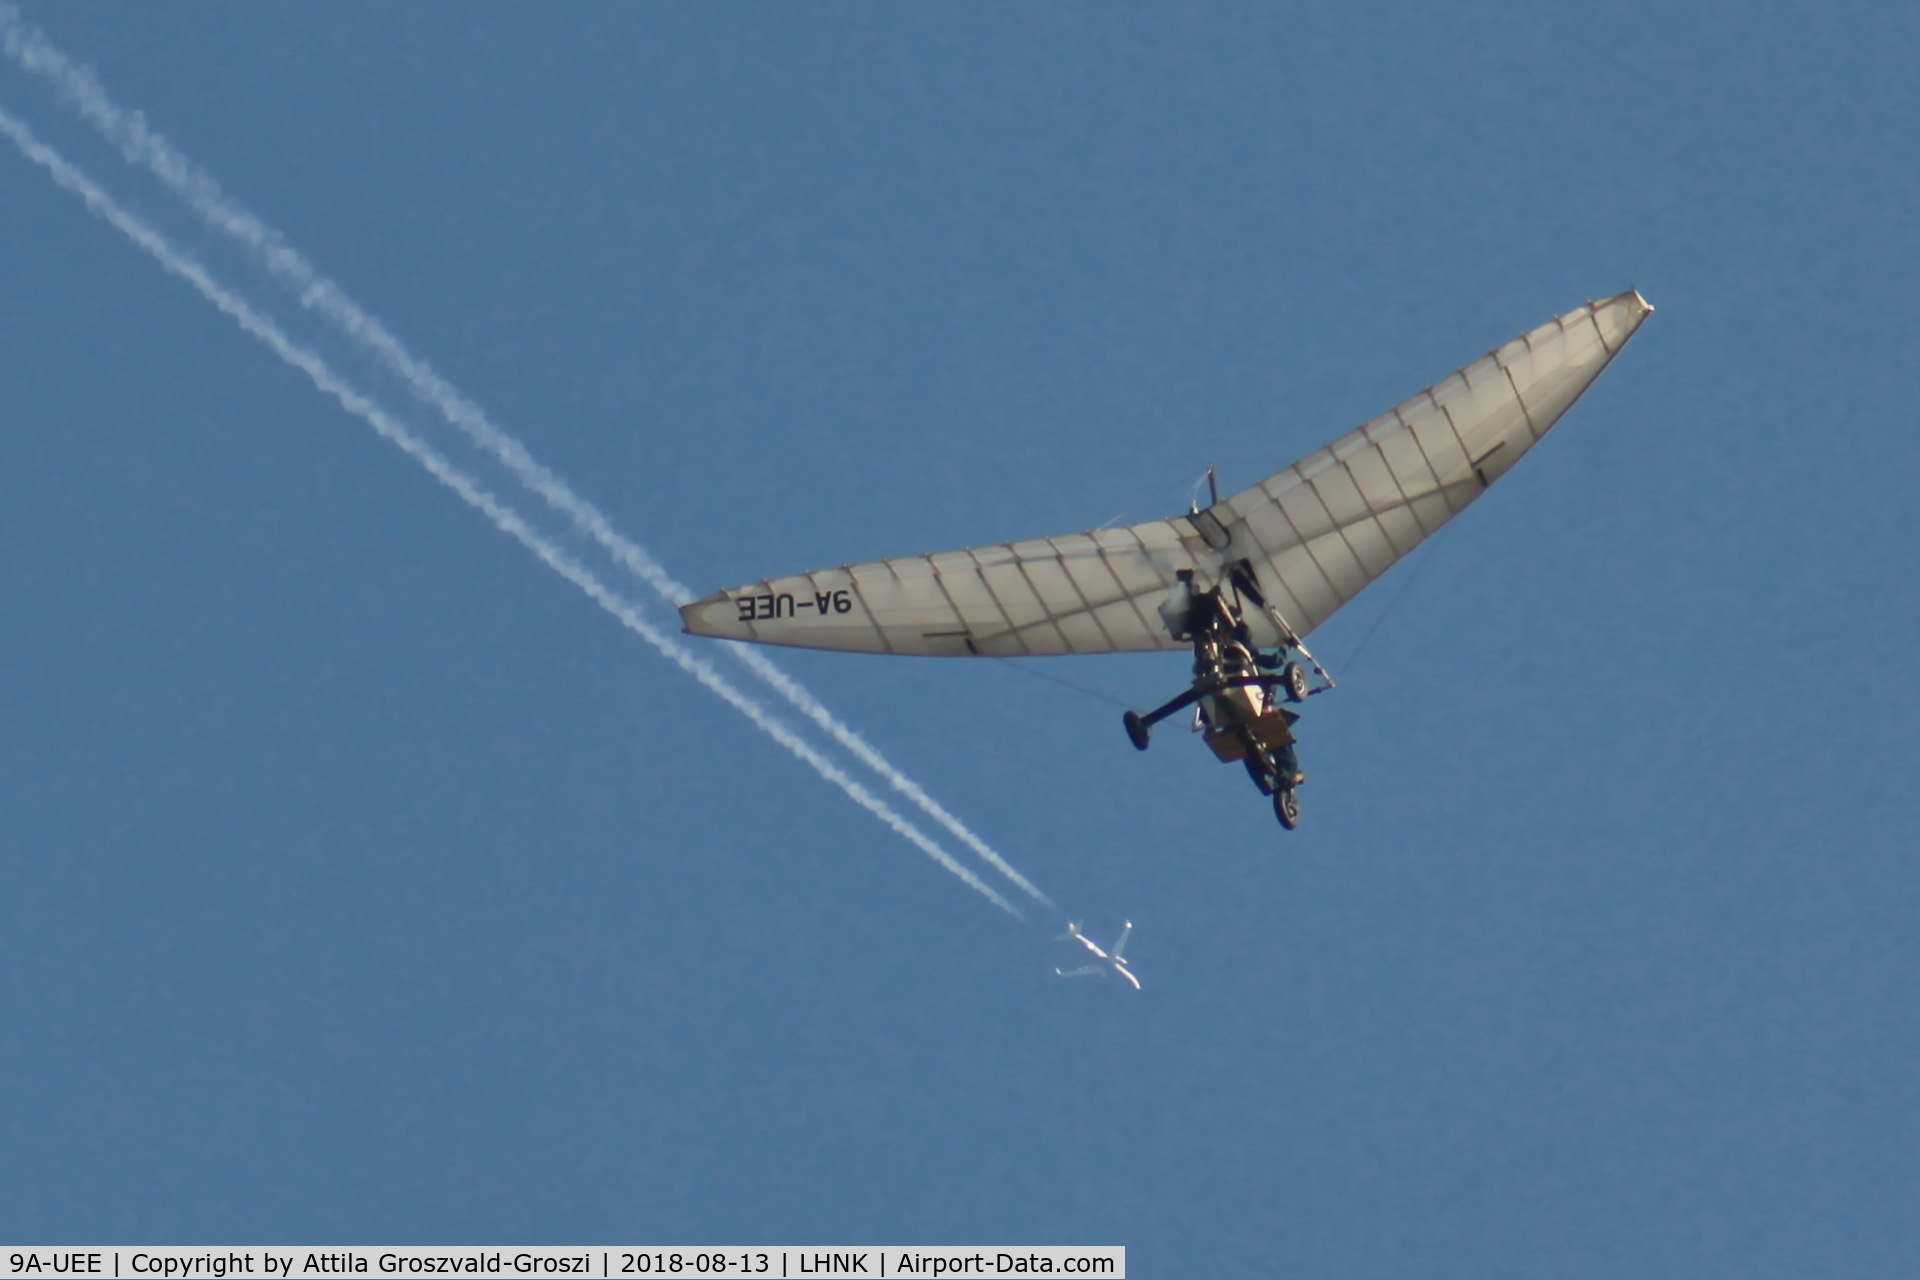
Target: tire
[1293, 678]
[1286, 807]
[1137, 730]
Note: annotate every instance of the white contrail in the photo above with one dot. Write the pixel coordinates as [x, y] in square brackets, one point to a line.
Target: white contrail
[141, 145]
[797, 694]
[504, 518]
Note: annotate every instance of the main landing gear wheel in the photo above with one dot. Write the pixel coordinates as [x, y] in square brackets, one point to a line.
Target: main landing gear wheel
[1286, 807]
[1136, 730]
[1293, 678]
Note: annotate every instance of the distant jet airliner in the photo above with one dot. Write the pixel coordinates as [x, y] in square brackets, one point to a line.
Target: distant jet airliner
[1110, 961]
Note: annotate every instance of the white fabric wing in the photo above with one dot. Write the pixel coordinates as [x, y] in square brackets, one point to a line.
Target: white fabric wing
[1313, 535]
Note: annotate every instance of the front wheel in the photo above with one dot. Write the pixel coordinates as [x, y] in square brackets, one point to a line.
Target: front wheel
[1286, 807]
[1293, 678]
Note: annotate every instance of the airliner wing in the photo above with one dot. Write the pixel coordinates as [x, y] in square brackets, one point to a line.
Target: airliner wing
[1120, 943]
[1314, 534]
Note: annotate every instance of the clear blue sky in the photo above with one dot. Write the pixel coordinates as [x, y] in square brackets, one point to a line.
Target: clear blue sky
[360, 881]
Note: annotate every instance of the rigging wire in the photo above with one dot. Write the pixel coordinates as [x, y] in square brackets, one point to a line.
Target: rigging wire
[1037, 674]
[1425, 552]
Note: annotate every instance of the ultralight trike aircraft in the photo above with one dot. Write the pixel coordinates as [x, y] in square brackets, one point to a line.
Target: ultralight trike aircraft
[1242, 581]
